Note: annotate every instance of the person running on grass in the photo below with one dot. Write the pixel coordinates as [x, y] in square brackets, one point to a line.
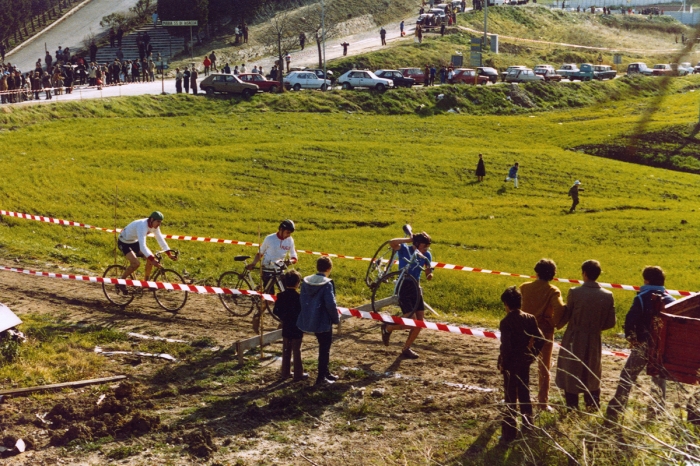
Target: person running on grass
[421, 243]
[132, 243]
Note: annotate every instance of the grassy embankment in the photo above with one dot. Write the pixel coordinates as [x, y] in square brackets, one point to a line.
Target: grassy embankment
[350, 181]
[646, 37]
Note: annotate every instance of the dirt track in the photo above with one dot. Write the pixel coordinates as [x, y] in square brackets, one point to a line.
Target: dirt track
[254, 417]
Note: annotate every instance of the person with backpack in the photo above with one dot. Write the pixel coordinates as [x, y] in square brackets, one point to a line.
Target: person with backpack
[638, 333]
[573, 194]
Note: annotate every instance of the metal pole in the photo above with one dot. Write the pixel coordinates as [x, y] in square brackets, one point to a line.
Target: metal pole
[486, 19]
[191, 44]
[323, 37]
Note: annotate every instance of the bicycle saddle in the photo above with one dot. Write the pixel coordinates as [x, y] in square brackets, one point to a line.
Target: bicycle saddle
[241, 258]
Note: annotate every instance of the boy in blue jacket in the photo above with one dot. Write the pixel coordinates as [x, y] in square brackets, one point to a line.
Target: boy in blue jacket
[318, 314]
[637, 332]
[513, 174]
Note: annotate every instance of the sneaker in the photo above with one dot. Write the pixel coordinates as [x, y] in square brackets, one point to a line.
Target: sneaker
[409, 354]
[324, 381]
[303, 376]
[332, 377]
[385, 335]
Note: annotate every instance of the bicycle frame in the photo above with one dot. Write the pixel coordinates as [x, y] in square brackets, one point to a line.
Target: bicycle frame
[412, 261]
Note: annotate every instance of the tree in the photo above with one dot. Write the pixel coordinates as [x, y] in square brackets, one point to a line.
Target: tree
[313, 21]
[281, 34]
[182, 10]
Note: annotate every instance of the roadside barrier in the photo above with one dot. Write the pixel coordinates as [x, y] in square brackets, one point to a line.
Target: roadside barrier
[217, 290]
[437, 265]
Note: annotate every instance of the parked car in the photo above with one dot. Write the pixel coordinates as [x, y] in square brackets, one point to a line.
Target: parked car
[522, 75]
[262, 82]
[468, 76]
[663, 69]
[415, 73]
[696, 69]
[397, 77]
[227, 84]
[319, 73]
[456, 5]
[364, 78]
[511, 68]
[439, 13]
[601, 72]
[427, 20]
[567, 70]
[547, 72]
[298, 80]
[685, 68]
[638, 68]
[491, 73]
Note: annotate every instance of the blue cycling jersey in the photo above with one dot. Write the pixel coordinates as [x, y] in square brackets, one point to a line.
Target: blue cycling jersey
[415, 270]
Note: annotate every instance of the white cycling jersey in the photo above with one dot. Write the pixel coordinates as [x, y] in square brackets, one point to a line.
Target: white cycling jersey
[136, 232]
[274, 249]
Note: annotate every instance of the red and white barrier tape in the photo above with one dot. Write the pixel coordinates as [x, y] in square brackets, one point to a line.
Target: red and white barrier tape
[217, 290]
[437, 265]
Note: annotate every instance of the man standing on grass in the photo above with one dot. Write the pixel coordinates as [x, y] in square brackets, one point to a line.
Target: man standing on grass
[589, 310]
[543, 300]
[573, 194]
[638, 333]
[408, 293]
[382, 34]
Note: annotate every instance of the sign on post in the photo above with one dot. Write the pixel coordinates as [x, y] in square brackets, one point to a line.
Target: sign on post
[179, 23]
[617, 59]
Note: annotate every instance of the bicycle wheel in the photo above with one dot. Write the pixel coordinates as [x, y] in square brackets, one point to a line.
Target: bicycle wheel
[237, 305]
[113, 294]
[407, 292]
[170, 300]
[269, 305]
[380, 265]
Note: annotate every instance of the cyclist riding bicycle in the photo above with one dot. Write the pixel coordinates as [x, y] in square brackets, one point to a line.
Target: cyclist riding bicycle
[408, 293]
[132, 243]
[275, 248]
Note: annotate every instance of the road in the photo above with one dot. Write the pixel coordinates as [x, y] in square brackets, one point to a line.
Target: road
[70, 32]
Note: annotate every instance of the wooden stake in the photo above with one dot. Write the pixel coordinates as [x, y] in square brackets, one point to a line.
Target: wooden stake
[79, 383]
[116, 197]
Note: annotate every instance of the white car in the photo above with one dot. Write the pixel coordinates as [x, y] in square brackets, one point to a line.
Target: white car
[298, 80]
[685, 68]
[363, 78]
[522, 76]
[567, 70]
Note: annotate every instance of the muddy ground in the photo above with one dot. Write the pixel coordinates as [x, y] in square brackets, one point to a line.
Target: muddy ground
[207, 409]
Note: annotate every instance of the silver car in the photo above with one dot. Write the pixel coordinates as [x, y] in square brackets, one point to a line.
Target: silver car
[299, 80]
[364, 78]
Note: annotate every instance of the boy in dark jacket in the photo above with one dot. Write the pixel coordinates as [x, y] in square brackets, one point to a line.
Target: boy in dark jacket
[637, 332]
[287, 308]
[521, 342]
[318, 314]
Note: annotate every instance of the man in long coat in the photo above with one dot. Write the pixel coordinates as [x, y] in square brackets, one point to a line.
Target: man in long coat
[589, 310]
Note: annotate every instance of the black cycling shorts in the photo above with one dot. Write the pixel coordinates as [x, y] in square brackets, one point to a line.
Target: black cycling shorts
[408, 294]
[126, 248]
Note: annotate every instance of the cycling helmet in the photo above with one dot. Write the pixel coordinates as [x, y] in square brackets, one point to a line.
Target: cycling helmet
[156, 216]
[287, 225]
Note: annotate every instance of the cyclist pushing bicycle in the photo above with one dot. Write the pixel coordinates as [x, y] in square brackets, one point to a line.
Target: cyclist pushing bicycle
[274, 249]
[411, 291]
[132, 243]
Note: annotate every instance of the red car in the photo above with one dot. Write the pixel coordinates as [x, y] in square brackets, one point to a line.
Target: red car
[263, 83]
[466, 76]
[415, 73]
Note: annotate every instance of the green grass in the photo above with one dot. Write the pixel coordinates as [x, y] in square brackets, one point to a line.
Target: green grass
[350, 181]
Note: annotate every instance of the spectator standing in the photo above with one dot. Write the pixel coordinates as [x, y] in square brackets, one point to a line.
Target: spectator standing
[207, 64]
[382, 35]
[212, 59]
[543, 300]
[2, 51]
[521, 342]
[120, 35]
[401, 26]
[93, 52]
[3, 89]
[573, 194]
[480, 169]
[426, 76]
[443, 75]
[112, 37]
[638, 333]
[318, 314]
[442, 29]
[235, 70]
[243, 69]
[287, 309]
[48, 59]
[288, 59]
[186, 79]
[154, 17]
[245, 33]
[419, 33]
[589, 310]
[433, 72]
[152, 70]
[227, 69]
[120, 54]
[255, 69]
[36, 85]
[46, 82]
[178, 81]
[513, 174]
[68, 72]
[345, 46]
[302, 40]
[193, 80]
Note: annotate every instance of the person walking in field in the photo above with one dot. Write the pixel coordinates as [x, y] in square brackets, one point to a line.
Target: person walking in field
[319, 312]
[382, 35]
[521, 342]
[573, 194]
[480, 169]
[408, 292]
[638, 333]
[513, 174]
[589, 311]
[543, 300]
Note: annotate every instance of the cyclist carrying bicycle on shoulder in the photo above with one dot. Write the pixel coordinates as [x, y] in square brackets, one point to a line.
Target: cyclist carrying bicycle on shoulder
[132, 243]
[421, 243]
[275, 248]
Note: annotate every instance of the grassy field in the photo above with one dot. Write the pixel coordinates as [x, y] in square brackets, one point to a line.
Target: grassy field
[350, 180]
